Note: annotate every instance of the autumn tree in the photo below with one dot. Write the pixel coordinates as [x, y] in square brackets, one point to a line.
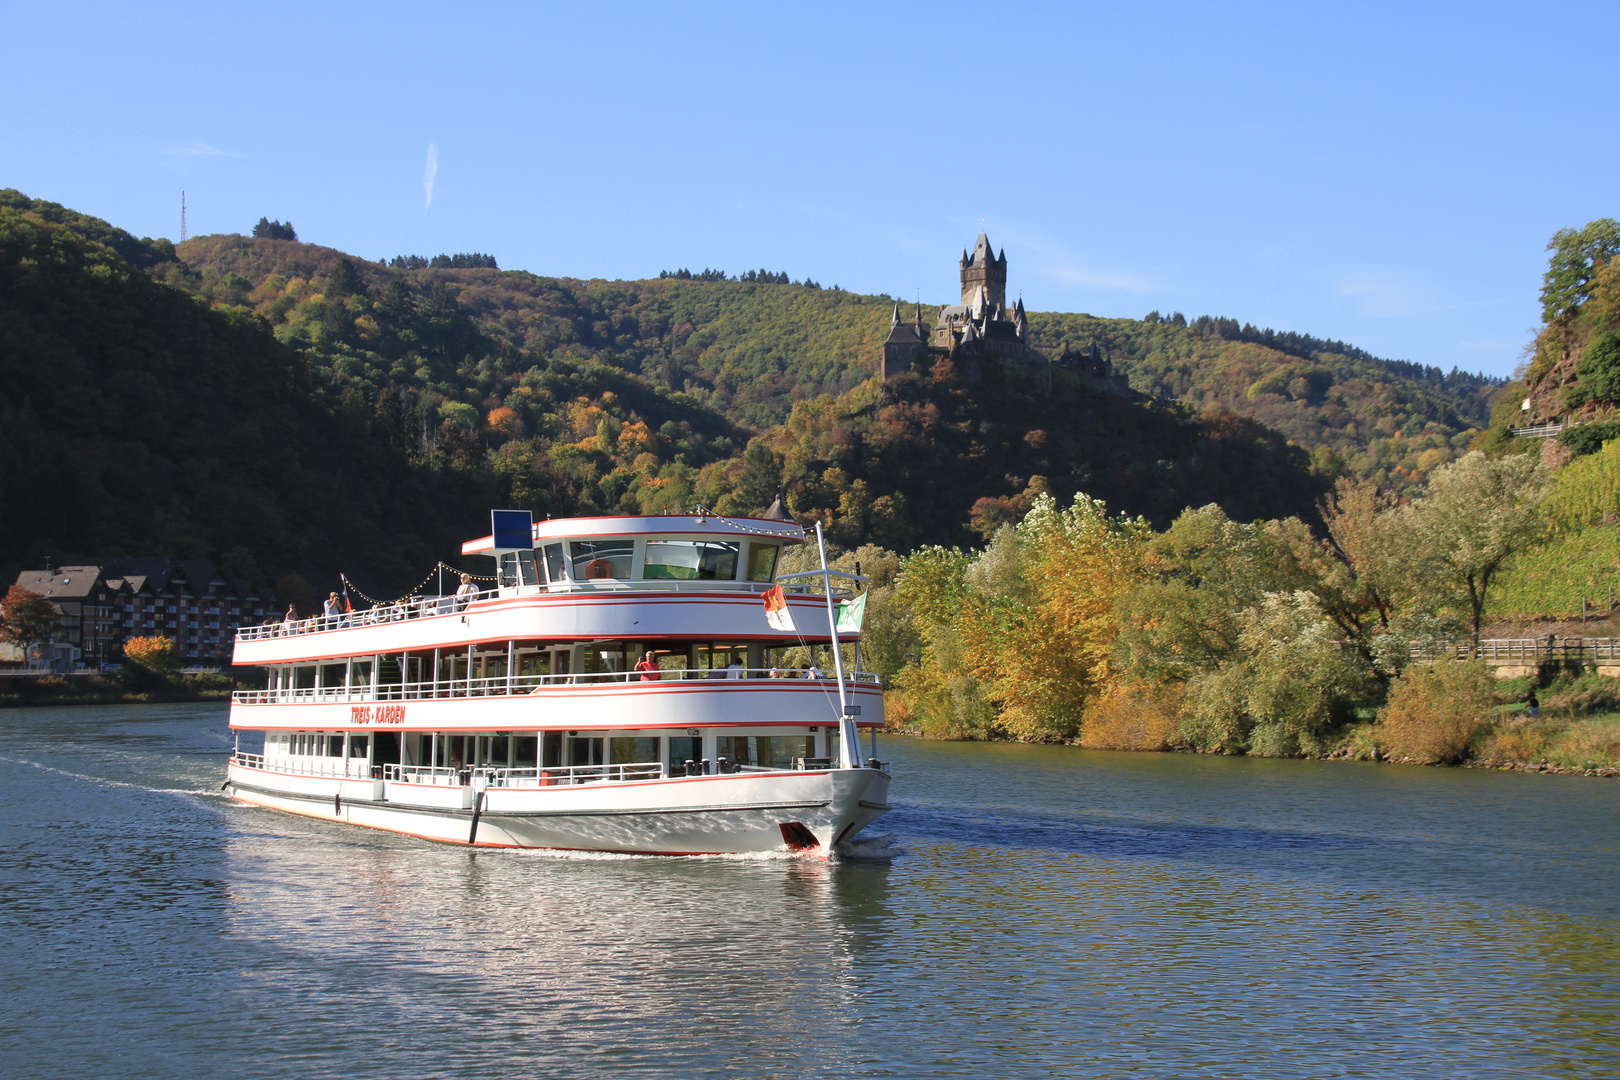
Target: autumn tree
[155, 654]
[26, 617]
[1577, 254]
[1038, 618]
[1478, 513]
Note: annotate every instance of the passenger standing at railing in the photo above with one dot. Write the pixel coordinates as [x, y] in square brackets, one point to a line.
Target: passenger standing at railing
[467, 593]
[331, 609]
[734, 670]
[811, 671]
[289, 621]
[649, 668]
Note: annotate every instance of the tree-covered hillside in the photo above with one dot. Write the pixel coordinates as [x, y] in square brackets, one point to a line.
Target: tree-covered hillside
[289, 407]
[751, 350]
[136, 420]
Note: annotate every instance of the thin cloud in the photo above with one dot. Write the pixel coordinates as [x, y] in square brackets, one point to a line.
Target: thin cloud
[1385, 293]
[1051, 258]
[430, 174]
[200, 150]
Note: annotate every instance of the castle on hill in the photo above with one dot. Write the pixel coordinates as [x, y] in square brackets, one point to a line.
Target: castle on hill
[982, 327]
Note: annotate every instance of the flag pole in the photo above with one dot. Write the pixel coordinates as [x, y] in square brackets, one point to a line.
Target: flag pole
[849, 738]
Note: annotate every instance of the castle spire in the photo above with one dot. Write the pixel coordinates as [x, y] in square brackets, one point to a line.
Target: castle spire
[894, 322]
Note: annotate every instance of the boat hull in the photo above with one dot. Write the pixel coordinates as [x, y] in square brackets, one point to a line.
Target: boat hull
[728, 814]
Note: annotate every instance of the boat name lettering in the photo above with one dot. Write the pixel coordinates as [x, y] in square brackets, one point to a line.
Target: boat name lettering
[377, 714]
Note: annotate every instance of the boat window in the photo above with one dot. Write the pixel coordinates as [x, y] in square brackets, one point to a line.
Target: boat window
[691, 560]
[585, 752]
[762, 561]
[334, 746]
[683, 748]
[769, 751]
[554, 563]
[517, 568]
[304, 678]
[332, 674]
[603, 660]
[596, 560]
[359, 745]
[360, 675]
[524, 751]
[626, 751]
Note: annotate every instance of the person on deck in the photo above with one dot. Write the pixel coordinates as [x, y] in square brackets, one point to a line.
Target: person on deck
[811, 671]
[331, 609]
[648, 666]
[289, 621]
[467, 593]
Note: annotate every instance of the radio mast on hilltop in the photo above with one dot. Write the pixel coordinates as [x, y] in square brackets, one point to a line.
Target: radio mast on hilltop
[182, 215]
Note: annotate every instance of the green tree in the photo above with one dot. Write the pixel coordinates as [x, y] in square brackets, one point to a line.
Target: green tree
[1478, 513]
[26, 617]
[1597, 373]
[761, 477]
[1577, 255]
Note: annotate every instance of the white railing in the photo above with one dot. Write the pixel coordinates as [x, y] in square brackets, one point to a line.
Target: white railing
[1524, 651]
[420, 607]
[302, 765]
[506, 686]
[1539, 431]
[500, 776]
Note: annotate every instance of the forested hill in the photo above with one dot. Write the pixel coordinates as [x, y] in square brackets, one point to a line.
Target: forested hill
[750, 349]
[284, 407]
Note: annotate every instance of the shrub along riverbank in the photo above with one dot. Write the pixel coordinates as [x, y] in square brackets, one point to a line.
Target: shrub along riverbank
[1218, 636]
[112, 689]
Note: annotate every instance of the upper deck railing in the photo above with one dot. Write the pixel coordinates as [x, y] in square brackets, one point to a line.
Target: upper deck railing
[508, 686]
[421, 607]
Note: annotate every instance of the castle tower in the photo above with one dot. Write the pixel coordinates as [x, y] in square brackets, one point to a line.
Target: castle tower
[983, 268]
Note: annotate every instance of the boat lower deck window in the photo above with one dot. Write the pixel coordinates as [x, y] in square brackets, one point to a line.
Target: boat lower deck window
[766, 751]
[585, 751]
[626, 751]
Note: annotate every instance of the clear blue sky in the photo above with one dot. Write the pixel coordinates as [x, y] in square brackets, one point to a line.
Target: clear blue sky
[1384, 174]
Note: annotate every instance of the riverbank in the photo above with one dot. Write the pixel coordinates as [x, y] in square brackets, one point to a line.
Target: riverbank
[112, 689]
[1576, 730]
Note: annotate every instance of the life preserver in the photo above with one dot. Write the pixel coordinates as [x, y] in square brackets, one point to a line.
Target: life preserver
[598, 568]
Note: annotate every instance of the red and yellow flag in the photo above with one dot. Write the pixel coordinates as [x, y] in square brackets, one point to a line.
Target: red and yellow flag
[776, 610]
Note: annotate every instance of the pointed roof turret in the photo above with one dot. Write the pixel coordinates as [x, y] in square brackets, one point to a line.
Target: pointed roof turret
[896, 320]
[777, 511]
[982, 252]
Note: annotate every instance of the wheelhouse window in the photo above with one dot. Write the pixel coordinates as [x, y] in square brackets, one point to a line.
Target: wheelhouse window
[554, 563]
[762, 561]
[599, 560]
[690, 560]
[517, 568]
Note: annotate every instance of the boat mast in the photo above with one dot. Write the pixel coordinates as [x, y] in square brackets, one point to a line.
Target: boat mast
[849, 739]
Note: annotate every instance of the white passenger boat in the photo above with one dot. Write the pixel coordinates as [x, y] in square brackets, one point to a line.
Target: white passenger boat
[620, 686]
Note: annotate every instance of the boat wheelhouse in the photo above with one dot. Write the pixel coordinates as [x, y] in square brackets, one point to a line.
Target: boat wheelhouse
[616, 685]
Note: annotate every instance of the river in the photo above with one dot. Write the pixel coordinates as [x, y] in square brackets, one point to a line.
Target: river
[1055, 912]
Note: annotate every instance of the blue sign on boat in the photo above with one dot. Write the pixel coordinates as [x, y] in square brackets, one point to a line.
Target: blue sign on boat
[512, 529]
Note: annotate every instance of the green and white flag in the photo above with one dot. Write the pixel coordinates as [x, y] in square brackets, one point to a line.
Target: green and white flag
[850, 614]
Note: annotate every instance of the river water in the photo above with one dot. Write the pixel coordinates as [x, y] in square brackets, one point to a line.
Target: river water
[1055, 912]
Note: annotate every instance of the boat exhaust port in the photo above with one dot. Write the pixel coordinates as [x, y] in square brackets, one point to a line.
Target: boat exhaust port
[797, 837]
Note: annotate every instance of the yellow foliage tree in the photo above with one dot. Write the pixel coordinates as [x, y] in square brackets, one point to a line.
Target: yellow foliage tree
[1038, 618]
[155, 653]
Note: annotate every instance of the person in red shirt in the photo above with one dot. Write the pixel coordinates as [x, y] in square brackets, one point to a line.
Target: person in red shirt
[648, 668]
